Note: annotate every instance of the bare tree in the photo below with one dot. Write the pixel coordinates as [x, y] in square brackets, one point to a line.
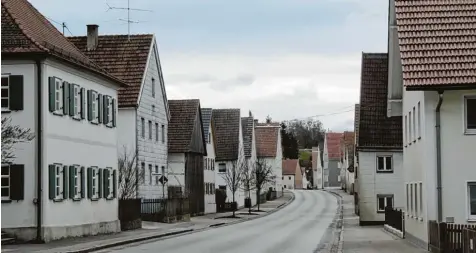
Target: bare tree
[248, 181]
[233, 177]
[263, 173]
[130, 176]
[11, 135]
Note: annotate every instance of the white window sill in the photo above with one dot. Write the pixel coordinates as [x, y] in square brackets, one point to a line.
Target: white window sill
[58, 199]
[420, 219]
[471, 219]
[470, 132]
[6, 110]
[58, 112]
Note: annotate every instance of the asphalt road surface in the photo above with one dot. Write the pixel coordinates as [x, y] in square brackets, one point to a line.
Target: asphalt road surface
[297, 228]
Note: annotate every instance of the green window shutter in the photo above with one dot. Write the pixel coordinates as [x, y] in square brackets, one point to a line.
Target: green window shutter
[113, 112]
[65, 182]
[16, 93]
[72, 182]
[105, 101]
[114, 183]
[90, 183]
[83, 187]
[90, 105]
[65, 98]
[100, 105]
[100, 182]
[106, 182]
[17, 181]
[71, 99]
[52, 183]
[52, 93]
[83, 108]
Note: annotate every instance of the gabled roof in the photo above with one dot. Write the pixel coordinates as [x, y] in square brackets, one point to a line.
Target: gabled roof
[247, 130]
[125, 58]
[333, 145]
[26, 31]
[376, 130]
[183, 116]
[266, 141]
[437, 43]
[226, 130]
[289, 166]
[206, 119]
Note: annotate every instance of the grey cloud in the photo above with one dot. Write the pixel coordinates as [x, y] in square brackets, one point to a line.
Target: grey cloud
[187, 78]
[239, 80]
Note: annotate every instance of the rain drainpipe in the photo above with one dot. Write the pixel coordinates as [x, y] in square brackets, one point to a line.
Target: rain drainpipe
[39, 143]
[438, 157]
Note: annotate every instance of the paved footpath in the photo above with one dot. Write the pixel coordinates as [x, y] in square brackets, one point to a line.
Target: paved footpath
[368, 239]
[150, 231]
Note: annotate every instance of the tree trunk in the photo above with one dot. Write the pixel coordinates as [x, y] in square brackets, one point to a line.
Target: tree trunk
[259, 197]
[249, 196]
[232, 204]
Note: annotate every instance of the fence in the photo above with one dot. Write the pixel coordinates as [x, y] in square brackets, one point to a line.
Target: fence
[451, 238]
[130, 214]
[395, 218]
[164, 210]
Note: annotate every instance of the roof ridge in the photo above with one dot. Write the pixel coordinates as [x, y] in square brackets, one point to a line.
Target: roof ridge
[111, 35]
[19, 24]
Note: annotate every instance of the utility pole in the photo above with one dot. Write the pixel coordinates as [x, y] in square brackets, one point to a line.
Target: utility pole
[128, 20]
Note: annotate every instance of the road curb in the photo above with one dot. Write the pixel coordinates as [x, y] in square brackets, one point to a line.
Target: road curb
[341, 217]
[157, 236]
[130, 241]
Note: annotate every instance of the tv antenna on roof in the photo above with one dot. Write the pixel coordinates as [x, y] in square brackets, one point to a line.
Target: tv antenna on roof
[128, 20]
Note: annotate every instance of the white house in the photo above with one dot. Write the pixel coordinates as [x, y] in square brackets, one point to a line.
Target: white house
[143, 110]
[249, 148]
[64, 182]
[209, 162]
[439, 111]
[229, 150]
[356, 157]
[268, 147]
[332, 157]
[317, 173]
[187, 149]
[347, 166]
[379, 146]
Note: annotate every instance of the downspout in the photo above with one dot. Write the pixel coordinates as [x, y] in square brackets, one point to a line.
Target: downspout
[39, 142]
[438, 157]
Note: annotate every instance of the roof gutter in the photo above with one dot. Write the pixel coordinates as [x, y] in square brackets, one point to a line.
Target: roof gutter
[438, 157]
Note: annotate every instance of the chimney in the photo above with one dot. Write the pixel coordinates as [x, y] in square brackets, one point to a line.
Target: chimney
[92, 37]
[256, 121]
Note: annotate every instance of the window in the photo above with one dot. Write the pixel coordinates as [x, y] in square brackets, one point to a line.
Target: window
[213, 164]
[408, 198]
[94, 183]
[411, 200]
[284, 186]
[163, 133]
[384, 201]
[414, 125]
[209, 138]
[58, 91]
[142, 122]
[221, 168]
[421, 199]
[109, 187]
[419, 120]
[150, 130]
[76, 102]
[384, 164]
[153, 87]
[205, 161]
[150, 174]
[289, 178]
[415, 198]
[406, 130]
[5, 178]
[470, 114]
[410, 126]
[153, 110]
[142, 165]
[472, 200]
[93, 103]
[157, 175]
[156, 132]
[222, 187]
[163, 170]
[5, 94]
[108, 110]
[76, 180]
[57, 178]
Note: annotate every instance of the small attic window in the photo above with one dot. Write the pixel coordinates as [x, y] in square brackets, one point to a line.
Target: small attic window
[153, 87]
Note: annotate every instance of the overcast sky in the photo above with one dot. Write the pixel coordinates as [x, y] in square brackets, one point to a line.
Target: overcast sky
[284, 58]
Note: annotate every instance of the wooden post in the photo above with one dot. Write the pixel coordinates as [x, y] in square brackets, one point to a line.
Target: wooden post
[442, 237]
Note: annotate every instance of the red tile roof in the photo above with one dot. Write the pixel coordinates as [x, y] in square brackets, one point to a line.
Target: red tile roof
[289, 166]
[25, 30]
[124, 58]
[266, 141]
[226, 133]
[333, 145]
[437, 41]
[183, 116]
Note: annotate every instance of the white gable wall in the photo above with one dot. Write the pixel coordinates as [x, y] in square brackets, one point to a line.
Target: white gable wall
[149, 150]
[209, 175]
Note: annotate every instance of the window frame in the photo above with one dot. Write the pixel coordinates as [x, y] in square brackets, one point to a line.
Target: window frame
[467, 130]
[109, 111]
[110, 184]
[94, 107]
[385, 157]
[420, 194]
[150, 130]
[77, 182]
[59, 93]
[385, 196]
[410, 128]
[406, 131]
[142, 121]
[95, 183]
[414, 125]
[220, 167]
[150, 173]
[419, 119]
[470, 217]
[6, 109]
[59, 181]
[153, 87]
[163, 133]
[77, 102]
[6, 198]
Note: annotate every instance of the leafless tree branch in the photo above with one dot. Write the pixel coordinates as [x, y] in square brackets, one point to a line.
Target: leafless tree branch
[263, 173]
[11, 135]
[233, 176]
[130, 176]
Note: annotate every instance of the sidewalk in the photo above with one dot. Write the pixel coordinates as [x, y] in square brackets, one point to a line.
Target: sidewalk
[368, 239]
[150, 230]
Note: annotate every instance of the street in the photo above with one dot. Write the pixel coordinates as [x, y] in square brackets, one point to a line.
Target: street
[298, 227]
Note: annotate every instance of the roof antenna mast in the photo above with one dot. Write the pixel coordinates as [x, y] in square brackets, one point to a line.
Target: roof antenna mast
[128, 20]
